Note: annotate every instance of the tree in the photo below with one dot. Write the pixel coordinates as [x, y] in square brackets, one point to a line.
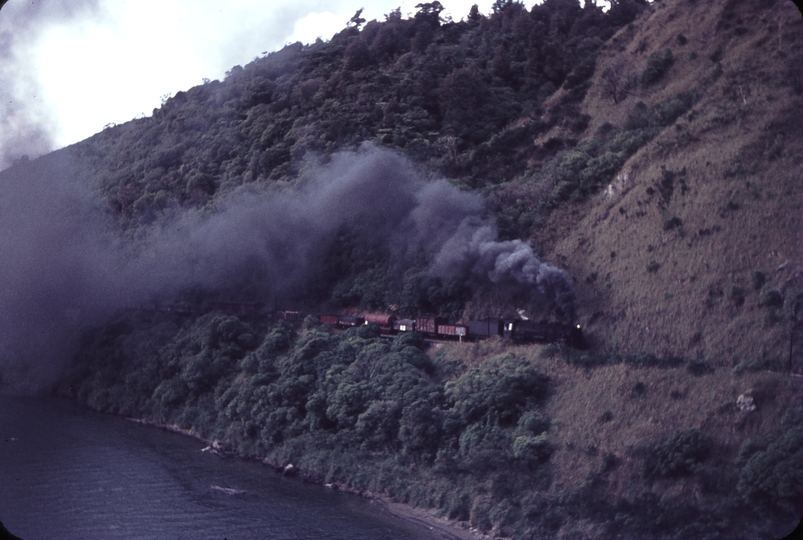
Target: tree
[356, 21]
[618, 81]
[429, 12]
[501, 5]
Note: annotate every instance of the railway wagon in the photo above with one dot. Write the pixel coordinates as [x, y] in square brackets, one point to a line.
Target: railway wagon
[328, 319]
[404, 325]
[452, 331]
[341, 321]
[384, 322]
[428, 324]
[485, 328]
[349, 321]
[291, 316]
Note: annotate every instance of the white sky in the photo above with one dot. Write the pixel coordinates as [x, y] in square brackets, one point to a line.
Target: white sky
[83, 69]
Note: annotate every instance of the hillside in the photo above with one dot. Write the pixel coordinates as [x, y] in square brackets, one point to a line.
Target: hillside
[630, 170]
[682, 252]
[642, 191]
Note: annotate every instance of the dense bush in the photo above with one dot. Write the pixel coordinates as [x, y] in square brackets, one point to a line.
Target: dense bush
[532, 449]
[498, 392]
[678, 455]
[773, 475]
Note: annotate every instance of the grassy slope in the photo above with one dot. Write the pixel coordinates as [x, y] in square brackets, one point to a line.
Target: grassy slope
[673, 400]
[745, 114]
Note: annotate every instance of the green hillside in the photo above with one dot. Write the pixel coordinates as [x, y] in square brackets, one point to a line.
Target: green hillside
[641, 162]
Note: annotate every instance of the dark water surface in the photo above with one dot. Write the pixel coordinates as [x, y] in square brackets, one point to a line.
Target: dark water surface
[68, 473]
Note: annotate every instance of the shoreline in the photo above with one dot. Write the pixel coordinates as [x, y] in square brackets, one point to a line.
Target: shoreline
[448, 529]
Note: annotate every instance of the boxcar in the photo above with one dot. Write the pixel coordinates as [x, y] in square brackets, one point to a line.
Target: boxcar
[485, 328]
[348, 321]
[428, 325]
[457, 331]
[292, 315]
[328, 319]
[404, 325]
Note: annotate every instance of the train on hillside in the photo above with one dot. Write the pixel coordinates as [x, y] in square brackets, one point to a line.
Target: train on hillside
[430, 326]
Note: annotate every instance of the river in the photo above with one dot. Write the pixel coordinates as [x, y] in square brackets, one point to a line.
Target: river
[67, 473]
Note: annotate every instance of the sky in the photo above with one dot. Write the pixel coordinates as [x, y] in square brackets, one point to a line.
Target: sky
[68, 68]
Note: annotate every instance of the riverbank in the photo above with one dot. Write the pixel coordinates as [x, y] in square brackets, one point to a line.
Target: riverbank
[428, 519]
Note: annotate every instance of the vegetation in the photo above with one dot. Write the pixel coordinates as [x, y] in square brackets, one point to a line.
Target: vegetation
[485, 442]
[448, 93]
[651, 150]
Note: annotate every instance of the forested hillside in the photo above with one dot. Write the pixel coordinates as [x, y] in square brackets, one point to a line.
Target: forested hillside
[632, 170]
[689, 130]
[461, 100]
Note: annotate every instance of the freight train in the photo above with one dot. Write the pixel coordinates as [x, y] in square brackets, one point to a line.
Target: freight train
[431, 327]
[517, 330]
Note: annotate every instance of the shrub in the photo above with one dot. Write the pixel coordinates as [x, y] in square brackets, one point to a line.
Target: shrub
[609, 463]
[771, 318]
[674, 223]
[699, 367]
[605, 417]
[645, 360]
[641, 117]
[657, 64]
[532, 449]
[532, 423]
[631, 140]
[653, 267]
[671, 109]
[678, 455]
[736, 294]
[639, 389]
[590, 359]
[769, 297]
[599, 171]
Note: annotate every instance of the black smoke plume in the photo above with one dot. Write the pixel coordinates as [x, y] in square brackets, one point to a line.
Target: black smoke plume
[65, 265]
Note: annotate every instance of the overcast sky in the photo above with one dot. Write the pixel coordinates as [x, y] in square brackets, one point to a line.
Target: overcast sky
[70, 67]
